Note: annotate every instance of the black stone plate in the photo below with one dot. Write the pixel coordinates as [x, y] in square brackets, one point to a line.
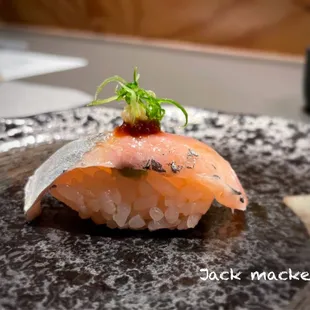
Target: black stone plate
[62, 262]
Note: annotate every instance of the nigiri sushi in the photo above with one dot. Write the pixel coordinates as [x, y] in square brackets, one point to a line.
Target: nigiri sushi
[136, 176]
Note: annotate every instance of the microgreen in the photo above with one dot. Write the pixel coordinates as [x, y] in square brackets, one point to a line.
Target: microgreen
[141, 103]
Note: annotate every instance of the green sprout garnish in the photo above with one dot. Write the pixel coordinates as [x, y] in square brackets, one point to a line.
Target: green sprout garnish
[141, 104]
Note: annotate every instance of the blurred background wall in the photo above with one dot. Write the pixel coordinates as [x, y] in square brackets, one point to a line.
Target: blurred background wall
[281, 26]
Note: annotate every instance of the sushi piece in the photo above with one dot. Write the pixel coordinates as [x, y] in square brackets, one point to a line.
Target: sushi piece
[136, 176]
[300, 205]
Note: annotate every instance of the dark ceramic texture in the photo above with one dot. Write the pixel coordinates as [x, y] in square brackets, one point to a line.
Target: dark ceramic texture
[62, 262]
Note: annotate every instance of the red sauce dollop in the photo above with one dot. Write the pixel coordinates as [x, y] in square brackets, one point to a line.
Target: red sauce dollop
[140, 128]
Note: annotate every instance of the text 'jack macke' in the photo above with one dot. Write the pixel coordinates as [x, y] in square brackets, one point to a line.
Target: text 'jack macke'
[231, 275]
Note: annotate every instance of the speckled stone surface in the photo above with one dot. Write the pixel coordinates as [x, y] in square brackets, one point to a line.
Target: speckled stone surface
[62, 262]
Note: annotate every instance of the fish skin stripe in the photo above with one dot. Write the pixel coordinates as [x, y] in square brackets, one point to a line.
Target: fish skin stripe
[175, 168]
[154, 165]
[64, 159]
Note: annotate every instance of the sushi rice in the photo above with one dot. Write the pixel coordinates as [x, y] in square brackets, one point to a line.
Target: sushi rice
[149, 201]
